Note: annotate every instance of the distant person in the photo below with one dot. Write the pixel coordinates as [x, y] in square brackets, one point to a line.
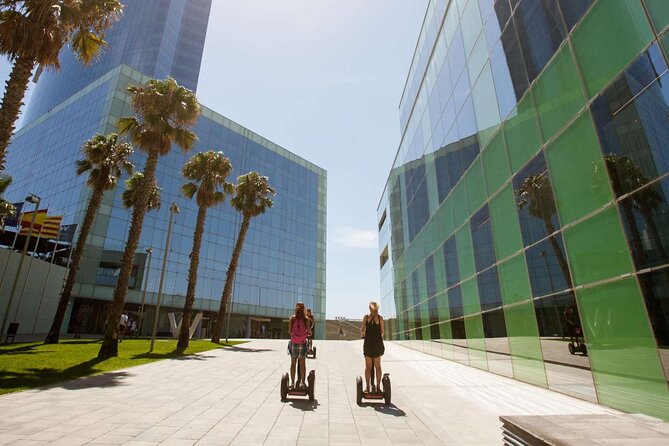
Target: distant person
[133, 327]
[263, 331]
[298, 328]
[341, 331]
[312, 321]
[122, 326]
[372, 331]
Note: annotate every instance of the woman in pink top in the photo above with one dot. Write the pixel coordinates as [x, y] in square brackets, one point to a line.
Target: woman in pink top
[299, 327]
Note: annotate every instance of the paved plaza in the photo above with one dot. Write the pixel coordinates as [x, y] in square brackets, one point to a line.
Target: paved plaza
[231, 396]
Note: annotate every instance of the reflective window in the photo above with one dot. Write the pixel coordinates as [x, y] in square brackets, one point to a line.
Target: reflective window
[514, 60]
[645, 215]
[451, 262]
[547, 266]
[455, 302]
[573, 10]
[489, 291]
[655, 288]
[484, 251]
[631, 119]
[534, 197]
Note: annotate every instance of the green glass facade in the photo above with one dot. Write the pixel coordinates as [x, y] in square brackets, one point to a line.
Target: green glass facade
[524, 227]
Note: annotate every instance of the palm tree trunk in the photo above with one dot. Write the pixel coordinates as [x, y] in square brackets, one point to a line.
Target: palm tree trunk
[562, 261]
[12, 101]
[184, 334]
[229, 280]
[109, 347]
[54, 333]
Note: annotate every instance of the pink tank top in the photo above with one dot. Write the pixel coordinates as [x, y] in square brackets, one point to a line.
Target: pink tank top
[299, 333]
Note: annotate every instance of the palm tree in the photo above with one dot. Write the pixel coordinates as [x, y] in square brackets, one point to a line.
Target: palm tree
[536, 193]
[105, 158]
[132, 185]
[207, 171]
[252, 197]
[165, 113]
[7, 209]
[32, 32]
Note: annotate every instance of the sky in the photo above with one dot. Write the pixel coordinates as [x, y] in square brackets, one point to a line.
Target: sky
[323, 79]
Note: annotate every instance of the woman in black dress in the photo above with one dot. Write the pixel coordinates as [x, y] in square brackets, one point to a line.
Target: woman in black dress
[372, 332]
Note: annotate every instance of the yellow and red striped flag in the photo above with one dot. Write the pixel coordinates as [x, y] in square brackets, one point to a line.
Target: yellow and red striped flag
[51, 227]
[27, 217]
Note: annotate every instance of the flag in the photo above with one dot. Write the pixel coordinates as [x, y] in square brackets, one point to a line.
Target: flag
[14, 221]
[27, 217]
[67, 233]
[51, 227]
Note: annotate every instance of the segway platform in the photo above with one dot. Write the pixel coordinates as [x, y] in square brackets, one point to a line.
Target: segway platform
[375, 394]
[308, 392]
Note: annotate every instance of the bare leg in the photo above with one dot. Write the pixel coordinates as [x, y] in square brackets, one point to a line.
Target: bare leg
[368, 370]
[292, 370]
[303, 370]
[377, 371]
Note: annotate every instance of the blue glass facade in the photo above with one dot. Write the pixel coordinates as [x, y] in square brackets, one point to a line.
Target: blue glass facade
[283, 260]
[157, 37]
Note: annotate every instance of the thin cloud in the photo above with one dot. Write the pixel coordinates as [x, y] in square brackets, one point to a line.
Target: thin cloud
[349, 237]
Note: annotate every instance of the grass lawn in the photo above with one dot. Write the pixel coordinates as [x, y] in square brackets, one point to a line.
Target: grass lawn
[28, 365]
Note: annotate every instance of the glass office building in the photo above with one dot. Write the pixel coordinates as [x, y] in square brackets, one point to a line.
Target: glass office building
[283, 259]
[524, 227]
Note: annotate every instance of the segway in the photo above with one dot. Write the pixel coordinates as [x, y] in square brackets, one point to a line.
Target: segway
[311, 350]
[576, 345]
[308, 392]
[375, 394]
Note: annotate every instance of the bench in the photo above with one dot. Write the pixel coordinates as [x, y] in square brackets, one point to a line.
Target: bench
[590, 429]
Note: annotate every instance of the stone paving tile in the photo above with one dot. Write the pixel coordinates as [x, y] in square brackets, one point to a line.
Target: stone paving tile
[231, 397]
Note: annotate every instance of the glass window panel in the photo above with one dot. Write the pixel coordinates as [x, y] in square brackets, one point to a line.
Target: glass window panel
[514, 280]
[505, 226]
[456, 55]
[622, 349]
[655, 290]
[548, 268]
[470, 297]
[504, 88]
[476, 193]
[475, 342]
[631, 119]
[451, 262]
[487, 115]
[477, 59]
[484, 251]
[471, 25]
[597, 249]
[489, 290]
[495, 164]
[502, 12]
[460, 207]
[577, 171]
[534, 197]
[465, 252]
[567, 368]
[558, 93]
[573, 10]
[659, 13]
[540, 31]
[497, 343]
[609, 38]
[455, 303]
[514, 60]
[522, 133]
[524, 344]
[492, 31]
[645, 216]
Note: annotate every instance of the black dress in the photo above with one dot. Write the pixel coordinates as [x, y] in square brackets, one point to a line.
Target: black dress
[373, 345]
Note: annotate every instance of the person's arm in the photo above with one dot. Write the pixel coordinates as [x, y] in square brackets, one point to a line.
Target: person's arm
[364, 327]
[290, 325]
[382, 327]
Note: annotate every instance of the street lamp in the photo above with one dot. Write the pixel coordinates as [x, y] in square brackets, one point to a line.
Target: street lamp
[174, 209]
[29, 199]
[149, 251]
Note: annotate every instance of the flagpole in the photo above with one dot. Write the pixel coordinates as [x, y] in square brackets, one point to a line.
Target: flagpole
[36, 200]
[16, 234]
[30, 269]
[46, 281]
[19, 225]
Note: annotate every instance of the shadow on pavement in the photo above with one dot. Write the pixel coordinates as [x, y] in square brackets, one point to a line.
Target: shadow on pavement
[390, 409]
[234, 348]
[304, 405]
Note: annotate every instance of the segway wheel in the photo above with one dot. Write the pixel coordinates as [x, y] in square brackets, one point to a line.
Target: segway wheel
[284, 387]
[584, 350]
[311, 381]
[386, 388]
[314, 352]
[571, 348]
[358, 390]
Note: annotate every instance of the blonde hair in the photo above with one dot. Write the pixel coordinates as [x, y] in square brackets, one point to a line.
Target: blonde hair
[373, 307]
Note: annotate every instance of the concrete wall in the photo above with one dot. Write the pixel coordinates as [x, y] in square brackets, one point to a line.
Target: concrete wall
[37, 293]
